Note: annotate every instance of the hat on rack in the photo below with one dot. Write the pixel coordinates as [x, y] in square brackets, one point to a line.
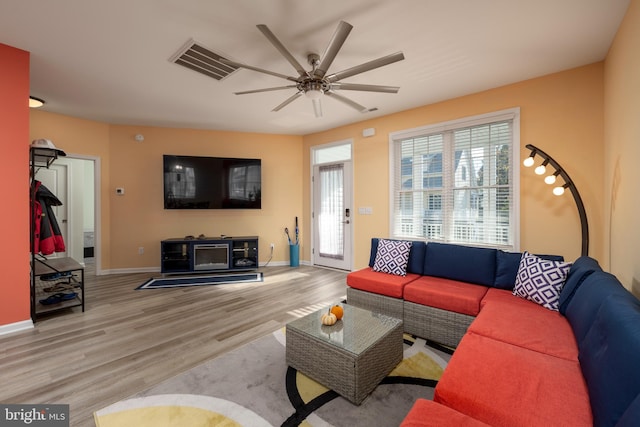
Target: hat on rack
[47, 144]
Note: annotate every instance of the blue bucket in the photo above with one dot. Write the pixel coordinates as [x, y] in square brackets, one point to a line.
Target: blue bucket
[294, 255]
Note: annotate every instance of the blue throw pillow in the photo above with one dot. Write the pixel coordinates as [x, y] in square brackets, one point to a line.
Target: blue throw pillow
[392, 257]
[609, 358]
[540, 280]
[578, 272]
[463, 263]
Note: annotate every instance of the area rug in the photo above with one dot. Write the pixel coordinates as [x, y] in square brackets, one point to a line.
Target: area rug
[211, 279]
[252, 386]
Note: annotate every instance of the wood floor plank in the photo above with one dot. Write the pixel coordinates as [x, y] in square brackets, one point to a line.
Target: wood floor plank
[128, 340]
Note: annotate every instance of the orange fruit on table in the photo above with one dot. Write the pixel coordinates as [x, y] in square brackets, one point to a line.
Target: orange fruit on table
[337, 311]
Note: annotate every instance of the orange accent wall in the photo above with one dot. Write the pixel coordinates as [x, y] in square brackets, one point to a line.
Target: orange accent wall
[14, 175]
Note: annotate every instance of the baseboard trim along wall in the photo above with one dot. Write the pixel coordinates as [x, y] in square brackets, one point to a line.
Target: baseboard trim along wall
[16, 327]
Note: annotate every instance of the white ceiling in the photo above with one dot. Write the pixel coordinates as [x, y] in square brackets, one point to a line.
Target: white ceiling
[109, 60]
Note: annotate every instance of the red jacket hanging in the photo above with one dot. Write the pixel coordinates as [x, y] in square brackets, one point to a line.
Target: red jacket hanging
[47, 237]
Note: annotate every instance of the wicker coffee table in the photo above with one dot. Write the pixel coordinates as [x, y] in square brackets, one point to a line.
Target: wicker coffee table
[350, 357]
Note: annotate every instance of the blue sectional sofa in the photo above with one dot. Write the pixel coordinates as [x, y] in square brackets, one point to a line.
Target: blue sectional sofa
[516, 362]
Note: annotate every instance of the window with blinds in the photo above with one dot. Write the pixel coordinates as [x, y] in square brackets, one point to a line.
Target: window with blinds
[455, 182]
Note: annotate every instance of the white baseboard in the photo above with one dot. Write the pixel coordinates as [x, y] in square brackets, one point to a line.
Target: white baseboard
[283, 263]
[128, 271]
[157, 269]
[16, 327]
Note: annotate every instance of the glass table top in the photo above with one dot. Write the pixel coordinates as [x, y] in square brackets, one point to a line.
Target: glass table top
[357, 331]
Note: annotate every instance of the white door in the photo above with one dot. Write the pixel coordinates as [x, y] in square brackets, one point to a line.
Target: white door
[332, 215]
[55, 179]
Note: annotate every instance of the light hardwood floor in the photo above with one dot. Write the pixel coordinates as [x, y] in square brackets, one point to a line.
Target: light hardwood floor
[128, 340]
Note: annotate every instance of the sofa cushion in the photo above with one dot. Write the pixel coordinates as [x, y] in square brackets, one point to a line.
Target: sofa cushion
[446, 294]
[416, 255]
[609, 358]
[631, 415]
[525, 324]
[579, 271]
[462, 263]
[583, 307]
[392, 257]
[540, 280]
[427, 413]
[506, 385]
[379, 283]
[507, 264]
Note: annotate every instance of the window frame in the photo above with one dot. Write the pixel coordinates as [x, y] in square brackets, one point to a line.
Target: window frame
[512, 114]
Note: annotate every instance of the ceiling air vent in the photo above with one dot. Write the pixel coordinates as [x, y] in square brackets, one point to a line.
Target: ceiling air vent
[198, 58]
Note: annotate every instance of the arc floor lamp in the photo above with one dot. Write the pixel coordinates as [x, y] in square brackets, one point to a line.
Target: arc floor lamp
[560, 189]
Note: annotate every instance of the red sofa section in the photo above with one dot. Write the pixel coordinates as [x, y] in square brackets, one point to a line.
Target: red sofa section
[516, 363]
[508, 385]
[445, 294]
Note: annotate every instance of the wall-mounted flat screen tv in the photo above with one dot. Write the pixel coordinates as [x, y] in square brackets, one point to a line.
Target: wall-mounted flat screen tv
[192, 182]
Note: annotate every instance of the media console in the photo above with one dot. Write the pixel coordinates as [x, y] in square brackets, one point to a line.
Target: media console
[207, 254]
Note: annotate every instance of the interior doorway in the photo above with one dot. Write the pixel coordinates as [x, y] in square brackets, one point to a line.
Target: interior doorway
[74, 180]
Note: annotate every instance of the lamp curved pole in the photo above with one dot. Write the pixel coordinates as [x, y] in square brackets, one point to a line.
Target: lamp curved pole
[584, 225]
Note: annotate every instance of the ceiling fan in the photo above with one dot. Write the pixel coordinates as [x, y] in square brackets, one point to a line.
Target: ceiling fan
[316, 82]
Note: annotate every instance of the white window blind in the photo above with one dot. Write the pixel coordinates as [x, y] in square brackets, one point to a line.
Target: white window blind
[455, 182]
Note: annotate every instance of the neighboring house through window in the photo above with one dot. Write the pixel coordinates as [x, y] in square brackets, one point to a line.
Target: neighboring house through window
[458, 182]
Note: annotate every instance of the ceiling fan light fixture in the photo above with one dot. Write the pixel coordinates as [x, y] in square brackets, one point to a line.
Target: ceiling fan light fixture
[313, 89]
[315, 84]
[313, 93]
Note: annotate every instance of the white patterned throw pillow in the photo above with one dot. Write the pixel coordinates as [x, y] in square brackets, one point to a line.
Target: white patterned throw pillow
[392, 257]
[540, 280]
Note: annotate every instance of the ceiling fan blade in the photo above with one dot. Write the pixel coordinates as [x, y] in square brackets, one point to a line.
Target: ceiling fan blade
[260, 70]
[347, 101]
[366, 88]
[317, 107]
[265, 90]
[288, 101]
[367, 66]
[283, 50]
[334, 46]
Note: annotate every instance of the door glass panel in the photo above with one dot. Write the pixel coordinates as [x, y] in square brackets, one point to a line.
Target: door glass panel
[331, 212]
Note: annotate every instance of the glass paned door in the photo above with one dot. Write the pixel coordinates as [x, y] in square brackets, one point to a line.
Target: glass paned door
[332, 215]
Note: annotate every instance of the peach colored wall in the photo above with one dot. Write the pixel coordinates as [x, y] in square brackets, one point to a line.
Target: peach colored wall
[622, 151]
[138, 218]
[81, 137]
[561, 113]
[14, 174]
